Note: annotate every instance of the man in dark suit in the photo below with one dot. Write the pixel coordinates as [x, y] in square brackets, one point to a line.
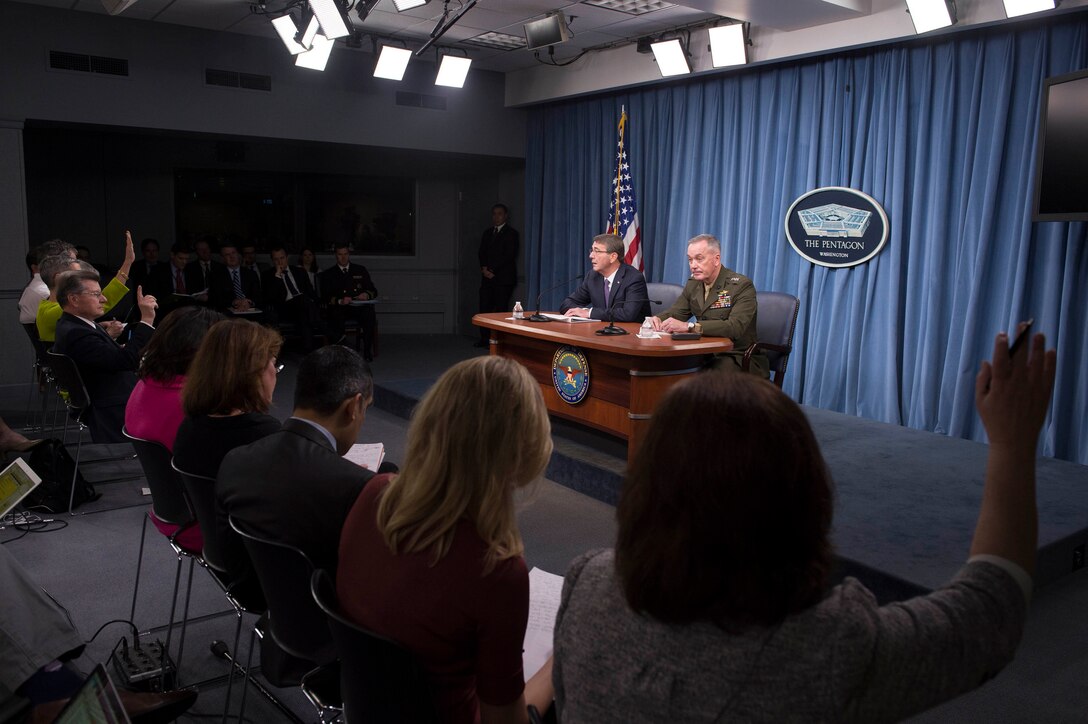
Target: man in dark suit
[203, 268]
[249, 260]
[611, 285]
[107, 368]
[174, 283]
[342, 285]
[232, 287]
[294, 486]
[141, 270]
[290, 297]
[498, 256]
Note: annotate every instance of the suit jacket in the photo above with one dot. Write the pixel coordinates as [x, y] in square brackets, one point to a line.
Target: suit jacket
[292, 487]
[139, 273]
[728, 311]
[499, 253]
[107, 368]
[628, 286]
[221, 288]
[161, 281]
[275, 290]
[200, 282]
[335, 284]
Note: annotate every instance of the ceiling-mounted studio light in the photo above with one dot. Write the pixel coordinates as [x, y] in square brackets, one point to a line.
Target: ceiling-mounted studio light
[402, 5]
[931, 14]
[317, 57]
[334, 24]
[671, 57]
[392, 62]
[1015, 8]
[453, 71]
[296, 42]
[728, 45]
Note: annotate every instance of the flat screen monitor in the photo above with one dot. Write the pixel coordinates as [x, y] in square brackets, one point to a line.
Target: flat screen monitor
[1061, 164]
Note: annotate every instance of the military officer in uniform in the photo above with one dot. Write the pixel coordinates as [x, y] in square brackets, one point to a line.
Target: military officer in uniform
[722, 301]
[342, 284]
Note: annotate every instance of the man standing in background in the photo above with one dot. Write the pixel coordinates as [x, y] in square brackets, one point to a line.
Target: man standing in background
[498, 265]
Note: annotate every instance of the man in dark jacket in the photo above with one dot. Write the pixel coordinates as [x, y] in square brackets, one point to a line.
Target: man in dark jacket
[498, 265]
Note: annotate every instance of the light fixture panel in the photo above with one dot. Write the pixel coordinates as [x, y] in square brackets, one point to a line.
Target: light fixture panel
[402, 5]
[287, 30]
[727, 46]
[392, 62]
[333, 23]
[1016, 8]
[317, 57]
[670, 56]
[930, 15]
[453, 71]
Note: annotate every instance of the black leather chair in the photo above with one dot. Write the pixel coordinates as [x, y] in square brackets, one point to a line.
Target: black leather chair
[775, 324]
[170, 506]
[380, 681]
[665, 293]
[294, 622]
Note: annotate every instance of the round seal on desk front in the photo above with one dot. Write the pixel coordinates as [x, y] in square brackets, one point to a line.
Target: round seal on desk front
[570, 374]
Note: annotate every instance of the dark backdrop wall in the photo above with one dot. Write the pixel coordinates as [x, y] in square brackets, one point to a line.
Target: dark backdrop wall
[941, 132]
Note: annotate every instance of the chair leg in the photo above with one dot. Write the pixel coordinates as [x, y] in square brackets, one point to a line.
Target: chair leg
[139, 564]
[75, 474]
[245, 681]
[173, 609]
[230, 676]
[184, 621]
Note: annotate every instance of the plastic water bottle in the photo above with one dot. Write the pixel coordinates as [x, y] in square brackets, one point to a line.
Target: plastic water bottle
[519, 313]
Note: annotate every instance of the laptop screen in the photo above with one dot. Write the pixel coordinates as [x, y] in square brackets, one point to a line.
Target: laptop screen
[96, 702]
[16, 481]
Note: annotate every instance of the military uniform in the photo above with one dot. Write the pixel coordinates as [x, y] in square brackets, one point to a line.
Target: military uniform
[728, 311]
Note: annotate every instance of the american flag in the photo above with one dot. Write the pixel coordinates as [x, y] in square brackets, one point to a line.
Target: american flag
[622, 204]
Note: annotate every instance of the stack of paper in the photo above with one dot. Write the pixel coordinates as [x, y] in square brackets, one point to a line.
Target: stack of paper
[367, 455]
[545, 590]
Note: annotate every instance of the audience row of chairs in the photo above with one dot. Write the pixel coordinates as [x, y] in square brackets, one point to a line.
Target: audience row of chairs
[359, 675]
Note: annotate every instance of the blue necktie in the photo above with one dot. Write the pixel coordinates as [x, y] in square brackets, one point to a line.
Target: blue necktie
[237, 285]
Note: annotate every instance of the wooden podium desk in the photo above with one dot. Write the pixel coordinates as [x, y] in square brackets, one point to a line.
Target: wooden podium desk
[627, 375]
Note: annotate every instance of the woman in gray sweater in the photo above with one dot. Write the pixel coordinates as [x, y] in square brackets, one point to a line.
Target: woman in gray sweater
[713, 606]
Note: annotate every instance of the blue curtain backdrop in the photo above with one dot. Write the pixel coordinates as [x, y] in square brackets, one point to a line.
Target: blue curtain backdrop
[941, 133]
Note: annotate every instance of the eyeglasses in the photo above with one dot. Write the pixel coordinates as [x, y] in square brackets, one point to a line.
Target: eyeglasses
[88, 291]
[599, 251]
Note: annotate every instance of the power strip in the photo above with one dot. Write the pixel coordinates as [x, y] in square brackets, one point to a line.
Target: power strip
[143, 666]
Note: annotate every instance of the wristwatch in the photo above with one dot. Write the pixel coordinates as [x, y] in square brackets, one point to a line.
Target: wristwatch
[691, 326]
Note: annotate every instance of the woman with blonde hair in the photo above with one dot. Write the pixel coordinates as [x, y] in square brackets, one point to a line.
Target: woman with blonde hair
[432, 558]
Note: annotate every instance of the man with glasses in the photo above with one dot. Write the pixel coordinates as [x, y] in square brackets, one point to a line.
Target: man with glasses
[107, 368]
[612, 287]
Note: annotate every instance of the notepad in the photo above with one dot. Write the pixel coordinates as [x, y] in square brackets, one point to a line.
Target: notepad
[366, 455]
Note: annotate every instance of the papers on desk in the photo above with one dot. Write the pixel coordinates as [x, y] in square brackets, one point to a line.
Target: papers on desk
[565, 318]
[366, 455]
[545, 590]
[251, 310]
[202, 292]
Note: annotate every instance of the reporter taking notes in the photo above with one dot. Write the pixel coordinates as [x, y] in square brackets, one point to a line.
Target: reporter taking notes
[723, 303]
[713, 605]
[611, 285]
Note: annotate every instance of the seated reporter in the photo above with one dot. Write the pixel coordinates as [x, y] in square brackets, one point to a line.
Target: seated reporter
[107, 368]
[154, 410]
[226, 398]
[611, 285]
[432, 558]
[713, 605]
[291, 297]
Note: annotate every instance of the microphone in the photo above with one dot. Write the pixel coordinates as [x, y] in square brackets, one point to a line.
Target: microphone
[538, 317]
[612, 329]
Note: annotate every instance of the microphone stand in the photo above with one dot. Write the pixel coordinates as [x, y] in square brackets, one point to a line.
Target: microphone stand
[538, 317]
[612, 329]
